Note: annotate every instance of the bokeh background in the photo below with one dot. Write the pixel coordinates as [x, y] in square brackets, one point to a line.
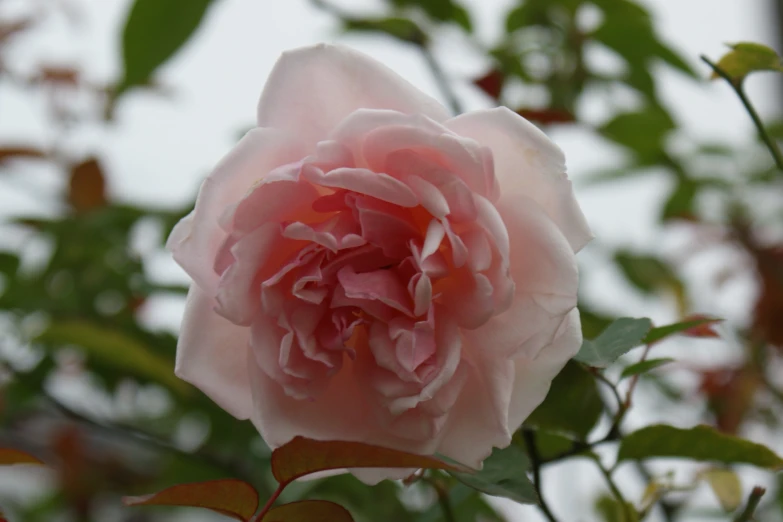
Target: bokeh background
[682, 197]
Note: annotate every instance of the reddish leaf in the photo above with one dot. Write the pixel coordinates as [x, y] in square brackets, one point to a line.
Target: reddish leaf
[491, 83]
[9, 153]
[303, 456]
[230, 497]
[308, 511]
[87, 187]
[58, 76]
[10, 456]
[704, 328]
[547, 116]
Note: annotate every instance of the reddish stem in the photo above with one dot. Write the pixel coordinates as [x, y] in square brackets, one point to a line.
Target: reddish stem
[269, 503]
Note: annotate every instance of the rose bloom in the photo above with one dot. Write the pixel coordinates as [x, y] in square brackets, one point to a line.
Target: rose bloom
[368, 268]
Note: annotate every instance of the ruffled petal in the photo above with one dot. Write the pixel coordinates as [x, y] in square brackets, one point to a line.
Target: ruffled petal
[527, 162]
[311, 90]
[195, 240]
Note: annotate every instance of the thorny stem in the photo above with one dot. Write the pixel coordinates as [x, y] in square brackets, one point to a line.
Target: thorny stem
[535, 464]
[750, 508]
[736, 85]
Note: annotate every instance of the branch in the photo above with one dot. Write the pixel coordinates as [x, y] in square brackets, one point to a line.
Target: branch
[618, 495]
[750, 508]
[737, 87]
[535, 464]
[440, 79]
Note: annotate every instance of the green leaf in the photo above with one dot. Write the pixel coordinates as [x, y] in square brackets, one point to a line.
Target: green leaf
[702, 443]
[647, 273]
[116, 349]
[573, 404]
[308, 511]
[612, 511]
[747, 57]
[726, 485]
[230, 497]
[303, 456]
[661, 332]
[681, 201]
[154, 31]
[619, 337]
[644, 366]
[10, 457]
[504, 474]
[642, 131]
[400, 28]
[9, 264]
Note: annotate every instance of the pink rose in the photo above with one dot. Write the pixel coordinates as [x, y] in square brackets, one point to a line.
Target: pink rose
[367, 268]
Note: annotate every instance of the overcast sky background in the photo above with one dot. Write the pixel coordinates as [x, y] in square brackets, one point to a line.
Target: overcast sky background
[161, 147]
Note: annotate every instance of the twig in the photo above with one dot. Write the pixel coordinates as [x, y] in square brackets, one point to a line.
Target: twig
[440, 79]
[750, 508]
[443, 497]
[139, 436]
[737, 87]
[618, 495]
[535, 464]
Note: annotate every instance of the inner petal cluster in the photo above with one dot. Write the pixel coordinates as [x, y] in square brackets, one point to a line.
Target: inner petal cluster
[378, 247]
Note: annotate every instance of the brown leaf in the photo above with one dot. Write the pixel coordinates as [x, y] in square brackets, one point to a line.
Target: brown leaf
[304, 456]
[87, 186]
[308, 511]
[491, 83]
[9, 456]
[58, 76]
[231, 497]
[11, 28]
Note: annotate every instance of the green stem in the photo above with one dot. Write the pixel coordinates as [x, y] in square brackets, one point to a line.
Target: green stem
[443, 498]
[736, 85]
[618, 495]
[440, 79]
[750, 508]
[535, 464]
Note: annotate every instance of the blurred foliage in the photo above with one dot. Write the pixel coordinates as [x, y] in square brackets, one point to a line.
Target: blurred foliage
[72, 294]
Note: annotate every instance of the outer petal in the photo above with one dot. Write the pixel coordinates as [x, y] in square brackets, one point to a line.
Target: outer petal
[527, 162]
[544, 271]
[310, 90]
[195, 240]
[212, 354]
[534, 376]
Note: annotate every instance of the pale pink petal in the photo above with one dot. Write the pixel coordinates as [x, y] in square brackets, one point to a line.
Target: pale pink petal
[479, 250]
[364, 181]
[534, 376]
[311, 90]
[386, 226]
[544, 271]
[212, 355]
[527, 162]
[479, 418]
[378, 285]
[195, 240]
[429, 196]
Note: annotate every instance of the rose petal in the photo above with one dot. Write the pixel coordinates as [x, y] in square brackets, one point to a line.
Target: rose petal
[527, 162]
[534, 376]
[364, 181]
[544, 271]
[310, 90]
[195, 240]
[212, 355]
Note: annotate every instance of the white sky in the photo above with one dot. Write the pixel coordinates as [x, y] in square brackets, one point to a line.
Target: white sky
[161, 146]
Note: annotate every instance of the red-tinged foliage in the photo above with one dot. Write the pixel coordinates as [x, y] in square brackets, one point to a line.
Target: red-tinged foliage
[308, 511]
[10, 456]
[730, 393]
[58, 76]
[704, 329]
[303, 456]
[231, 497]
[547, 116]
[768, 312]
[491, 83]
[87, 186]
